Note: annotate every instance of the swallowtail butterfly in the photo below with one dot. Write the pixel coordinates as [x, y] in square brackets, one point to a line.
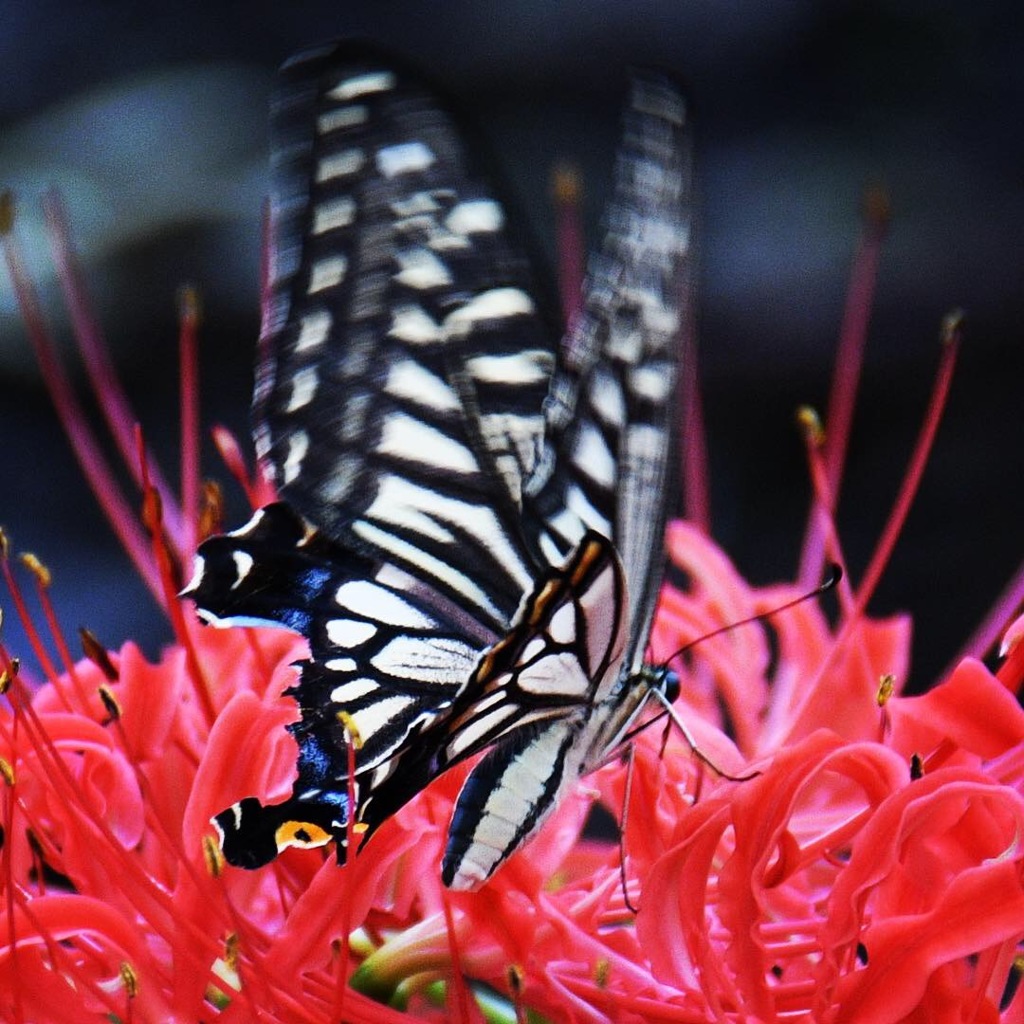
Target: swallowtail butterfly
[469, 531]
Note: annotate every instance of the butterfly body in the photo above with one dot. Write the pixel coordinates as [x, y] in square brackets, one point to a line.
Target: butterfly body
[470, 525]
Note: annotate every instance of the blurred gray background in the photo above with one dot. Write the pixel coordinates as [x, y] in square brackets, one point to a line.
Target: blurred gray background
[152, 121]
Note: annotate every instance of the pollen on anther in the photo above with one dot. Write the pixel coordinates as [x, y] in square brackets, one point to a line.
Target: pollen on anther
[5, 681]
[129, 978]
[37, 568]
[97, 654]
[231, 947]
[213, 856]
[886, 688]
[351, 728]
[516, 979]
[810, 423]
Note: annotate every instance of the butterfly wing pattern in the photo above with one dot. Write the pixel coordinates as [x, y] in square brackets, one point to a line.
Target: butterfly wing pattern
[470, 516]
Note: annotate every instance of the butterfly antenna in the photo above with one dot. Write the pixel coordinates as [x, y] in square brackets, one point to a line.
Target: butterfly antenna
[833, 576]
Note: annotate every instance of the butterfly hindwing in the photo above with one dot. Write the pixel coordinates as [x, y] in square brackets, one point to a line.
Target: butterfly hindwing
[612, 411]
[611, 415]
[387, 658]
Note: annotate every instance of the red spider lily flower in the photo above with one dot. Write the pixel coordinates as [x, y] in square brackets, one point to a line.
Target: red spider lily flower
[866, 863]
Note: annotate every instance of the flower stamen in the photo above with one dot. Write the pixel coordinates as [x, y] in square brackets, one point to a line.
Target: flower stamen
[952, 328]
[76, 426]
[88, 336]
[188, 348]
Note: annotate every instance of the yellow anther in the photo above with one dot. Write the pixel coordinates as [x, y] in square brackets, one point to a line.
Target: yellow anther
[231, 947]
[110, 702]
[886, 688]
[566, 184]
[34, 566]
[213, 857]
[97, 654]
[876, 207]
[516, 979]
[952, 326]
[348, 723]
[189, 305]
[6, 212]
[809, 422]
[129, 978]
[8, 674]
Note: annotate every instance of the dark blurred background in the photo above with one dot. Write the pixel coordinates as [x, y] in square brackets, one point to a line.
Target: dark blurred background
[151, 120]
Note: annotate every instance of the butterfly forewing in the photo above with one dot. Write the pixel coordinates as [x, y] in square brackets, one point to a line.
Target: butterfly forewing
[398, 402]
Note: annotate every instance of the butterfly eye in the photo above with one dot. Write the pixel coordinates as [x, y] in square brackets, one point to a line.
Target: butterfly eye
[670, 684]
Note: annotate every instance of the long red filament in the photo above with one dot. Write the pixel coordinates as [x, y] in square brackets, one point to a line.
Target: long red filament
[853, 335]
[188, 362]
[50, 614]
[34, 639]
[76, 426]
[992, 627]
[952, 328]
[88, 336]
[567, 190]
[846, 376]
[148, 896]
[170, 585]
[823, 499]
[695, 479]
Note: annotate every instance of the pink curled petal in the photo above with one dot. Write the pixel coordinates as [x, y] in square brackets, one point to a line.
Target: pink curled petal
[971, 708]
[803, 638]
[246, 659]
[149, 696]
[671, 924]
[843, 697]
[249, 753]
[818, 784]
[980, 908]
[718, 596]
[99, 783]
[915, 847]
[114, 939]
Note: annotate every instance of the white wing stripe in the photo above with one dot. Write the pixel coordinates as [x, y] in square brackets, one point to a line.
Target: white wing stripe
[361, 85]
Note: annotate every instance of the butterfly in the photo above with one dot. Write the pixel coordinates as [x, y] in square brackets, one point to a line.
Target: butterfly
[469, 530]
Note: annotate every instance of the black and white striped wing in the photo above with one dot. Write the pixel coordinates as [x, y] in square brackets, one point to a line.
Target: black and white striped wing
[611, 416]
[612, 411]
[399, 397]
[399, 412]
[388, 658]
